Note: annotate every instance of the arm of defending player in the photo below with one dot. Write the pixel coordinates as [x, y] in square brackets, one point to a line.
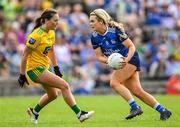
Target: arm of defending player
[32, 42]
[22, 77]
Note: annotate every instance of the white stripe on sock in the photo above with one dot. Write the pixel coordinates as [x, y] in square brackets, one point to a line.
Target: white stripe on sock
[78, 115]
[155, 106]
[131, 100]
[35, 112]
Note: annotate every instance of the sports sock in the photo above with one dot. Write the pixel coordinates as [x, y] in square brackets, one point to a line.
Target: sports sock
[159, 108]
[133, 104]
[37, 108]
[76, 109]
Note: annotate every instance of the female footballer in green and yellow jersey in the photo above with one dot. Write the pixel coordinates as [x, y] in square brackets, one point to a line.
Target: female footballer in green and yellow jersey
[38, 54]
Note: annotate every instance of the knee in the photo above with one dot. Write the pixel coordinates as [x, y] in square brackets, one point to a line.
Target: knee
[113, 84]
[138, 93]
[65, 86]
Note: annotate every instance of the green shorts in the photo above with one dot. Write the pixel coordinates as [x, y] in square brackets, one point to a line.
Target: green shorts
[34, 73]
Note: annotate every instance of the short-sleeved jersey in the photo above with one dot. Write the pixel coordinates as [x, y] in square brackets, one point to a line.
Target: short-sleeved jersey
[40, 42]
[111, 41]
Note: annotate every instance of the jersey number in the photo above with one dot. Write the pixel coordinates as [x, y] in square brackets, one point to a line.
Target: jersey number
[46, 50]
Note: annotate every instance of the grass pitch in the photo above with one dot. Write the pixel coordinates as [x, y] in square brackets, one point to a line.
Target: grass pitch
[110, 111]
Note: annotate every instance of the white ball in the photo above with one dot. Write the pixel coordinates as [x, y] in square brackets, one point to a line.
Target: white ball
[115, 60]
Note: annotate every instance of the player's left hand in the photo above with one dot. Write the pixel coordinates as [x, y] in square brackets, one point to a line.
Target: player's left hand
[57, 71]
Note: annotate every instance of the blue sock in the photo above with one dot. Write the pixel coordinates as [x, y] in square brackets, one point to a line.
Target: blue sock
[159, 108]
[133, 104]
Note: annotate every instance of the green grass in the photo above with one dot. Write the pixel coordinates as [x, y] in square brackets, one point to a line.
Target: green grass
[109, 112]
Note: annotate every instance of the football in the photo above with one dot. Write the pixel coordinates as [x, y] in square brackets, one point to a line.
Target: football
[114, 60]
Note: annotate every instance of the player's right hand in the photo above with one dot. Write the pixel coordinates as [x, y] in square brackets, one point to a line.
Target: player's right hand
[21, 80]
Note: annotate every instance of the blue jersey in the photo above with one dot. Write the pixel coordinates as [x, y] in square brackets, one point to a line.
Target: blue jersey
[110, 42]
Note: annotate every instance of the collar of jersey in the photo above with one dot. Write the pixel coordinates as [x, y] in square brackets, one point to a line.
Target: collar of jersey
[43, 29]
[105, 32]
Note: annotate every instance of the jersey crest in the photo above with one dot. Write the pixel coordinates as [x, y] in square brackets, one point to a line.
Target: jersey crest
[32, 41]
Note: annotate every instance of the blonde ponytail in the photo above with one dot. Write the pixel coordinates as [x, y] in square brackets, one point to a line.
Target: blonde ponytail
[115, 24]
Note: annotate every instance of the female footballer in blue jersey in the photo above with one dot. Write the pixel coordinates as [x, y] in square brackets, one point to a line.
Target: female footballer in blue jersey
[108, 37]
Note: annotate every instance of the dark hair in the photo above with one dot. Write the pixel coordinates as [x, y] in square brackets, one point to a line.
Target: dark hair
[47, 14]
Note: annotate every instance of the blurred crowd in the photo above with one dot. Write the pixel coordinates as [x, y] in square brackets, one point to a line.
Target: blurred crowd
[152, 25]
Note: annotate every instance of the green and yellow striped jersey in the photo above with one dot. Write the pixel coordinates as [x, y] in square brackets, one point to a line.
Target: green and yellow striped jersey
[40, 42]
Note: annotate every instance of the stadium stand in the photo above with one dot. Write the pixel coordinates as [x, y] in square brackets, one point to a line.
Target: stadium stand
[154, 27]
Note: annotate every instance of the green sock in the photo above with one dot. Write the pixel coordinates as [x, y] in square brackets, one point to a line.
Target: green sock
[37, 108]
[76, 109]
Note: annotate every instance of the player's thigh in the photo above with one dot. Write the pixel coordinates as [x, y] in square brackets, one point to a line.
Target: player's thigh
[133, 83]
[52, 80]
[122, 75]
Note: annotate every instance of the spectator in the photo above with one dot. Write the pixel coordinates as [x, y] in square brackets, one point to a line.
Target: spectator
[82, 84]
[147, 22]
[158, 67]
[152, 15]
[4, 70]
[103, 77]
[64, 57]
[78, 16]
[172, 65]
[167, 19]
[16, 28]
[174, 45]
[86, 52]
[12, 54]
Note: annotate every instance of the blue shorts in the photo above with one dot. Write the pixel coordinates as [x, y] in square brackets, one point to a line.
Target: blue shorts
[135, 61]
